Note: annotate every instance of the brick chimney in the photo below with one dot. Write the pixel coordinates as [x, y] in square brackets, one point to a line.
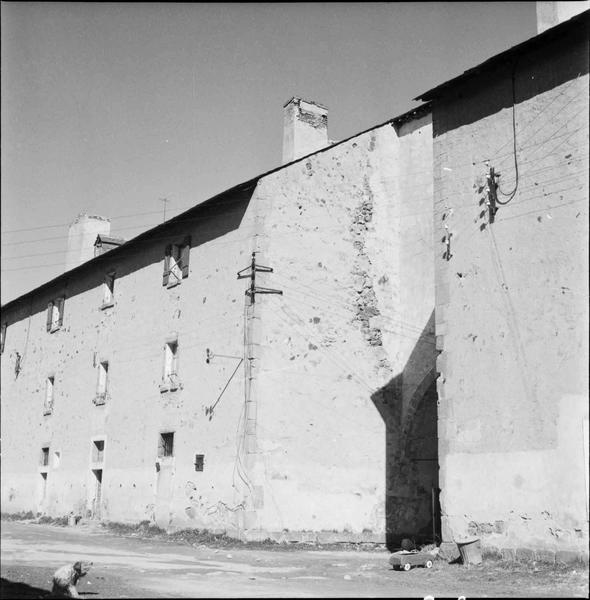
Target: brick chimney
[305, 128]
[81, 237]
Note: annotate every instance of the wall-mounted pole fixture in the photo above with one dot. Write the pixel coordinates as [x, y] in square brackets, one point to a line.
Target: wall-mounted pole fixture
[254, 268]
[210, 356]
[492, 189]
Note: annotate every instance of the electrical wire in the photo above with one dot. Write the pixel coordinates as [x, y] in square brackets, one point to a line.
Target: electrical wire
[511, 194]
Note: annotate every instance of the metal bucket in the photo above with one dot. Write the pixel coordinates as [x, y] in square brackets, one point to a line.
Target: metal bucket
[470, 551]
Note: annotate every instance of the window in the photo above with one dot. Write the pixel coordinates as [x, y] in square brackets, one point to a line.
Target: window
[108, 288]
[56, 459]
[170, 379]
[166, 444]
[199, 462]
[45, 456]
[55, 314]
[49, 394]
[103, 383]
[98, 451]
[2, 337]
[176, 262]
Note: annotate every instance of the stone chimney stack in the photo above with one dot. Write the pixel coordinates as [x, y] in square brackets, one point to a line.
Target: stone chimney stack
[81, 237]
[305, 128]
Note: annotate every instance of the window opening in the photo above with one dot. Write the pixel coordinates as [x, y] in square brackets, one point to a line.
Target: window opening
[49, 395]
[199, 462]
[43, 485]
[170, 379]
[108, 287]
[103, 382]
[45, 456]
[98, 451]
[55, 314]
[176, 262]
[2, 337]
[166, 444]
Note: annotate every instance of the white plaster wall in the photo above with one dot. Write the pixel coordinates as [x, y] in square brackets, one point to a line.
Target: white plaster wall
[346, 229]
[512, 311]
[349, 223]
[206, 311]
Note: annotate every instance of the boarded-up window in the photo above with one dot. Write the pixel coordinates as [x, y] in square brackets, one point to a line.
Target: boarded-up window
[166, 444]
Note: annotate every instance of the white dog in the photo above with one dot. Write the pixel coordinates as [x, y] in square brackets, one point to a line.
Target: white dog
[66, 578]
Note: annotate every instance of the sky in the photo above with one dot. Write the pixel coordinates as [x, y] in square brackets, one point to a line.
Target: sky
[109, 107]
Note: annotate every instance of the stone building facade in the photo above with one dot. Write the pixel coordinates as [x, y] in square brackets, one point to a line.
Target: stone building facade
[317, 352]
[144, 384]
[511, 262]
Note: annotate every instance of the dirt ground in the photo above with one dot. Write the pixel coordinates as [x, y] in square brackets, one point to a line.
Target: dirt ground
[131, 567]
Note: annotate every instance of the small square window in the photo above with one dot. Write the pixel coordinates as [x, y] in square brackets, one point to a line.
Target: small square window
[98, 451]
[45, 456]
[166, 444]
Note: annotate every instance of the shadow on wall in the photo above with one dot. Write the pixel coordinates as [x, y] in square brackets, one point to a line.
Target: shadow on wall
[408, 406]
[560, 59]
[204, 223]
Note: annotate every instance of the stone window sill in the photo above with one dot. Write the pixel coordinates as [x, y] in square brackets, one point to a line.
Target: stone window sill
[170, 387]
[99, 399]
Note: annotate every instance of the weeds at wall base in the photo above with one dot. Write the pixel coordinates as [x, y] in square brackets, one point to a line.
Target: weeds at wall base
[38, 518]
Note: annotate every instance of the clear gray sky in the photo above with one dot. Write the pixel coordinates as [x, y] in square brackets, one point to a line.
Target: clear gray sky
[107, 107]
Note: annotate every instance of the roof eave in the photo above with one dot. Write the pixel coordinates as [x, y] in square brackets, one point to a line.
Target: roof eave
[507, 55]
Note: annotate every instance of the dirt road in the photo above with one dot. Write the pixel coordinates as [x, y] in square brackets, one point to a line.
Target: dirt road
[136, 568]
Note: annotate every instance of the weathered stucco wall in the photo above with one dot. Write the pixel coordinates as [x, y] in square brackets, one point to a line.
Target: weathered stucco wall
[310, 431]
[205, 311]
[512, 305]
[348, 232]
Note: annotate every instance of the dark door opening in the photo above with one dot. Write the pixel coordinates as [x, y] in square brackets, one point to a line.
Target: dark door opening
[97, 502]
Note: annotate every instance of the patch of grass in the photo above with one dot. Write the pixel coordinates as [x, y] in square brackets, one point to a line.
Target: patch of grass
[21, 516]
[58, 521]
[144, 528]
[204, 537]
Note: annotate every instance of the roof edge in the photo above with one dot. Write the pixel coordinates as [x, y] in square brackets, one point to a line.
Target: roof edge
[250, 183]
[536, 41]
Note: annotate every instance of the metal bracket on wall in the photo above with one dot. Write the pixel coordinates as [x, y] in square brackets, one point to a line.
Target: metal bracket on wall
[492, 189]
